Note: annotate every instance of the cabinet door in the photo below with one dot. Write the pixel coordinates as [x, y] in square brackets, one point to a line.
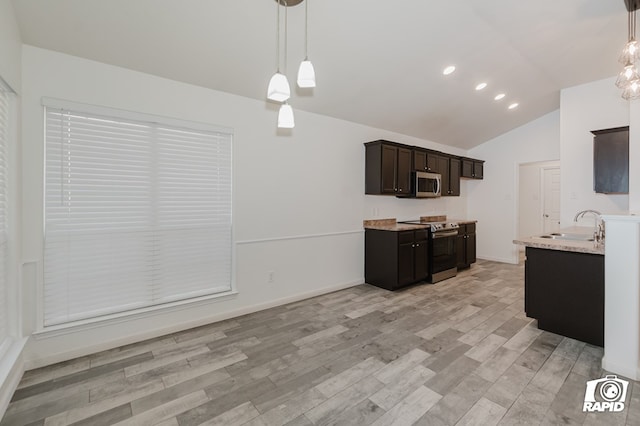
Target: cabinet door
[403, 179]
[467, 169]
[389, 165]
[461, 251]
[471, 248]
[611, 161]
[419, 160]
[432, 162]
[478, 170]
[443, 169]
[421, 256]
[454, 177]
[405, 264]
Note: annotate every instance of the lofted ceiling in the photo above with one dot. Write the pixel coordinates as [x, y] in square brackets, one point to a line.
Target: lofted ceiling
[377, 62]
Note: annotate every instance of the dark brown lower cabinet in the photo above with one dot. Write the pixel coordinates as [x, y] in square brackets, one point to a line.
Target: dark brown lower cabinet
[564, 291]
[395, 259]
[466, 245]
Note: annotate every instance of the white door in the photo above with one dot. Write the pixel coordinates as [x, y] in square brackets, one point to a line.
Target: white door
[551, 199]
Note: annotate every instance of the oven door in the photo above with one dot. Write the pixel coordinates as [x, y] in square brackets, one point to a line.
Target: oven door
[443, 255]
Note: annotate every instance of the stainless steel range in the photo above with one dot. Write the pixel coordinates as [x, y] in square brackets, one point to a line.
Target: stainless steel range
[442, 257]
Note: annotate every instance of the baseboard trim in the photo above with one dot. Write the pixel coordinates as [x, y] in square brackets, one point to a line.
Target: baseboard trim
[499, 259]
[11, 370]
[33, 363]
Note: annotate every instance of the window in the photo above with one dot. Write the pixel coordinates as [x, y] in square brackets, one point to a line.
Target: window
[137, 213]
[4, 143]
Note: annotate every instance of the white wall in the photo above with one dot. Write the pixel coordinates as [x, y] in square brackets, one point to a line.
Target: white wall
[10, 46]
[493, 201]
[634, 156]
[11, 365]
[298, 197]
[593, 106]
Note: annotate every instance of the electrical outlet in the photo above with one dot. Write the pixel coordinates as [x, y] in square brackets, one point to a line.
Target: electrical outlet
[271, 277]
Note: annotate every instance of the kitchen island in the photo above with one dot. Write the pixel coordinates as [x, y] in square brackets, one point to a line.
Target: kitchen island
[564, 284]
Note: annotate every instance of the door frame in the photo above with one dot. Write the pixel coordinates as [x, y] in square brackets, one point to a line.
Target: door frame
[516, 199]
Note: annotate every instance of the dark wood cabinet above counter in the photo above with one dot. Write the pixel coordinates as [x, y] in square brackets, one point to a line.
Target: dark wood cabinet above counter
[389, 165]
[611, 161]
[388, 168]
[472, 169]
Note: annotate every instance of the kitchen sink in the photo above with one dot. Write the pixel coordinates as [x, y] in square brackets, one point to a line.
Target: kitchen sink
[568, 236]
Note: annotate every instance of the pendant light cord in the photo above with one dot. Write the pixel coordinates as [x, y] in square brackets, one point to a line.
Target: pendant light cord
[286, 6]
[306, 30]
[278, 36]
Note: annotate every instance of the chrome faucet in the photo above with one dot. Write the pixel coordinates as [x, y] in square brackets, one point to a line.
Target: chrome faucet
[598, 226]
[583, 212]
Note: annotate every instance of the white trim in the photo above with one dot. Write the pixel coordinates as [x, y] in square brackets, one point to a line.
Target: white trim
[499, 259]
[11, 371]
[132, 115]
[59, 357]
[300, 237]
[125, 316]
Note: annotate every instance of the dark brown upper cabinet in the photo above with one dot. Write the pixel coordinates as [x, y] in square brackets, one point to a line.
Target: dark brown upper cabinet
[388, 168]
[472, 169]
[611, 160]
[454, 177]
[424, 160]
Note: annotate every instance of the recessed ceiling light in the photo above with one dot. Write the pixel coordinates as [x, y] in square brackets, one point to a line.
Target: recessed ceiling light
[448, 70]
[499, 97]
[481, 86]
[513, 105]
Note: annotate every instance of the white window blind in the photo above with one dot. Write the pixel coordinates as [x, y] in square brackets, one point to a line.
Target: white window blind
[136, 214]
[4, 142]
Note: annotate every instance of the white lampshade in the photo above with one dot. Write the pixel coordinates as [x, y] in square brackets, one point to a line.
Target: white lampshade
[306, 74]
[278, 90]
[285, 117]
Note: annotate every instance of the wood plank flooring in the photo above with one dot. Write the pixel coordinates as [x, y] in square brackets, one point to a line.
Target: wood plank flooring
[460, 352]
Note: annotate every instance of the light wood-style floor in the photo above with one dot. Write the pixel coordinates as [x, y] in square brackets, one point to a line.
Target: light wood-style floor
[459, 352]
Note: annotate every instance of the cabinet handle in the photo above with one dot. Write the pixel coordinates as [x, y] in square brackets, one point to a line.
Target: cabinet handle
[417, 245]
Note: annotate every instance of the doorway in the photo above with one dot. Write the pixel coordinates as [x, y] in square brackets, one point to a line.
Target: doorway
[538, 198]
[550, 199]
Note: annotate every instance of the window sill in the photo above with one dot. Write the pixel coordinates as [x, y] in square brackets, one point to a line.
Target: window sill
[121, 317]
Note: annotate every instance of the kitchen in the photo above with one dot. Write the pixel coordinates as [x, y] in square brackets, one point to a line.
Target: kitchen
[297, 229]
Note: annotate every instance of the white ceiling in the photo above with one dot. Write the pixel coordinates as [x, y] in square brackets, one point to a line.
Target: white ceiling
[378, 62]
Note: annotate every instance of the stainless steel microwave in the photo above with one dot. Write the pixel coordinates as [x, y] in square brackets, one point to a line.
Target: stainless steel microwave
[426, 185]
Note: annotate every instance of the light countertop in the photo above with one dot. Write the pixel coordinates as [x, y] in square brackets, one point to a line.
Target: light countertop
[393, 225]
[589, 247]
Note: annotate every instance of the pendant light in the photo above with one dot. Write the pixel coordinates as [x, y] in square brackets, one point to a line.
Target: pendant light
[306, 73]
[285, 115]
[629, 79]
[279, 89]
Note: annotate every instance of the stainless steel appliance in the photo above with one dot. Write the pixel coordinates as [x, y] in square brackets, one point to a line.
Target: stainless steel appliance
[443, 255]
[426, 185]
